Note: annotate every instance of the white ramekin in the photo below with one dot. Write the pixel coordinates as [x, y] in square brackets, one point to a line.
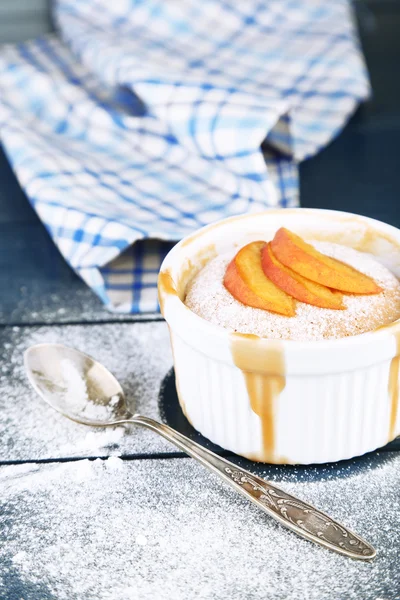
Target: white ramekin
[340, 398]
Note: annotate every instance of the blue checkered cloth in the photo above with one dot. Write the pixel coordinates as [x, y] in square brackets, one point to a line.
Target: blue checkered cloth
[144, 120]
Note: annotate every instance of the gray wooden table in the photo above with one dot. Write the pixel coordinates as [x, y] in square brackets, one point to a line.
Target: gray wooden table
[119, 514]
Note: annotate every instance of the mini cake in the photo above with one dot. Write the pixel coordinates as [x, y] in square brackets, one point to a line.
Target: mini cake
[267, 357]
[294, 291]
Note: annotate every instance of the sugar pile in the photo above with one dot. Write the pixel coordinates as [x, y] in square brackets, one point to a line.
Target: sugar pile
[72, 395]
[138, 354]
[208, 298]
[169, 530]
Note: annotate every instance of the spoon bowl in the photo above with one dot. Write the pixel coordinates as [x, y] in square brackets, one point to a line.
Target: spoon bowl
[83, 390]
[76, 385]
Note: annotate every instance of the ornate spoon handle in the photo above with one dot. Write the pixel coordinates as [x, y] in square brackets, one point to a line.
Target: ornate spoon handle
[295, 514]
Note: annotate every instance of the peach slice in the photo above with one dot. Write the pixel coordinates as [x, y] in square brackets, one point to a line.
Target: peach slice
[239, 290]
[304, 259]
[298, 286]
[246, 281]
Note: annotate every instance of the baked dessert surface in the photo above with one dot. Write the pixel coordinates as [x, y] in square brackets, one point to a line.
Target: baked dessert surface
[208, 298]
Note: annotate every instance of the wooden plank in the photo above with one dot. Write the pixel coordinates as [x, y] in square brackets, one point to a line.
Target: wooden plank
[379, 24]
[21, 20]
[12, 9]
[113, 530]
[359, 171]
[14, 206]
[29, 28]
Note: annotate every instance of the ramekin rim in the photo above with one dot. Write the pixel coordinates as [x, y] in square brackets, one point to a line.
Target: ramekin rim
[296, 345]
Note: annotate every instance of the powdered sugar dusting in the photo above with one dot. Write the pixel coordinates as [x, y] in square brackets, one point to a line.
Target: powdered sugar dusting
[170, 530]
[139, 355]
[72, 395]
[208, 298]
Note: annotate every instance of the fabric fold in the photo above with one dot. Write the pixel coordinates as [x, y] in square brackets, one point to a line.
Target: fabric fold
[224, 74]
[152, 119]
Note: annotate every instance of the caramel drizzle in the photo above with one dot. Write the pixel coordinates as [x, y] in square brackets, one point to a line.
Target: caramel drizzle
[393, 381]
[263, 368]
[165, 286]
[394, 386]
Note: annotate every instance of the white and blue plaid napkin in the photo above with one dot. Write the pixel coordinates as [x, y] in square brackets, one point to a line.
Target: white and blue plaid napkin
[147, 119]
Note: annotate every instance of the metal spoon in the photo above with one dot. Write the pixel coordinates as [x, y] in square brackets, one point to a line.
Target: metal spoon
[83, 390]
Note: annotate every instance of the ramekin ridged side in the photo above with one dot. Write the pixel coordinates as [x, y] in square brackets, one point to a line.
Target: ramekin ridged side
[336, 402]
